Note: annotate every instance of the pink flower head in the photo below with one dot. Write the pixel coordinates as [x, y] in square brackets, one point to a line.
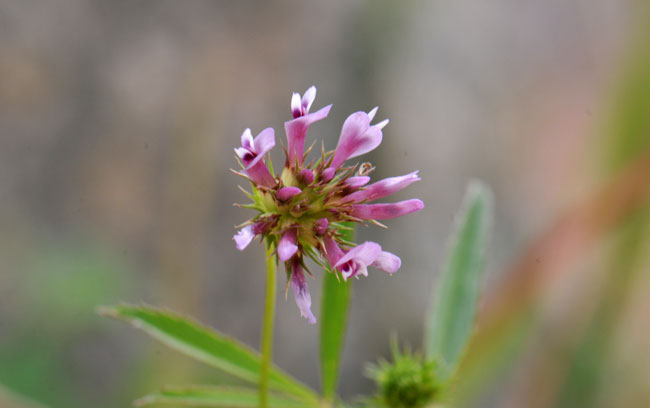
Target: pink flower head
[302, 212]
[358, 137]
[251, 153]
[296, 128]
[301, 291]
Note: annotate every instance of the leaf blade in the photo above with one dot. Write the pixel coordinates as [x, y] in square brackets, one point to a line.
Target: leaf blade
[215, 396]
[205, 345]
[451, 317]
[334, 314]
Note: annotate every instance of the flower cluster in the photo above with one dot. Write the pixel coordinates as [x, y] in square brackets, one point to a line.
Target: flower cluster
[303, 209]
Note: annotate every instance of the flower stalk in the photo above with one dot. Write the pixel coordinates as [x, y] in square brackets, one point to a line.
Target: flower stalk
[267, 325]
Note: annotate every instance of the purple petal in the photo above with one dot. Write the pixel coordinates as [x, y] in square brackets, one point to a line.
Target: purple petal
[253, 158]
[357, 137]
[296, 130]
[308, 98]
[356, 182]
[244, 237]
[264, 141]
[365, 254]
[287, 193]
[306, 176]
[296, 105]
[382, 188]
[386, 211]
[320, 226]
[327, 174]
[241, 152]
[387, 262]
[247, 140]
[301, 292]
[332, 251]
[259, 173]
[287, 246]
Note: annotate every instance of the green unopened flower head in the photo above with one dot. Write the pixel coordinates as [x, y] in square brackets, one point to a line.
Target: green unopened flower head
[409, 381]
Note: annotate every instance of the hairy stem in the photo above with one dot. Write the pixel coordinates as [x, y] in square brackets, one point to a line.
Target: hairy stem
[267, 328]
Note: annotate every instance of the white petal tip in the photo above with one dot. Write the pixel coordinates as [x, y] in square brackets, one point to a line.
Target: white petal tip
[382, 124]
[373, 112]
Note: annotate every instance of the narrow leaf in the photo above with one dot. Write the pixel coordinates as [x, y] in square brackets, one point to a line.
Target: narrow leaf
[205, 345]
[216, 396]
[334, 315]
[451, 318]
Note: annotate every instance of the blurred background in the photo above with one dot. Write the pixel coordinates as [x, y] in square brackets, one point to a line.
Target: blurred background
[117, 124]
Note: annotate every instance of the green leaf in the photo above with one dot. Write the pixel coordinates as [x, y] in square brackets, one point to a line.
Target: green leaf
[216, 396]
[450, 321]
[205, 345]
[9, 399]
[334, 315]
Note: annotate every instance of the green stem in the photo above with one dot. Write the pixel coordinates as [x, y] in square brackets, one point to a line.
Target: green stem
[267, 328]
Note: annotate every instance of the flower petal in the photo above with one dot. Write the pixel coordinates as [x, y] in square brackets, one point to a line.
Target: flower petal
[264, 141]
[357, 138]
[296, 130]
[244, 237]
[373, 112]
[357, 181]
[287, 193]
[386, 211]
[241, 152]
[301, 291]
[332, 251]
[382, 188]
[259, 173]
[387, 262]
[327, 174]
[306, 176]
[287, 246]
[247, 140]
[365, 254]
[308, 98]
[296, 105]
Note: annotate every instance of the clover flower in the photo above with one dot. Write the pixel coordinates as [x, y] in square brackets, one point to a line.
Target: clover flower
[302, 210]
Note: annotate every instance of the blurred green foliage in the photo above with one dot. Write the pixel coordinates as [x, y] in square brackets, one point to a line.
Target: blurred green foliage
[55, 333]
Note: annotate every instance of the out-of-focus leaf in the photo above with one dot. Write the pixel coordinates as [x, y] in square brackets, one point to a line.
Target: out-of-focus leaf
[450, 321]
[216, 396]
[334, 315]
[9, 399]
[509, 310]
[205, 345]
